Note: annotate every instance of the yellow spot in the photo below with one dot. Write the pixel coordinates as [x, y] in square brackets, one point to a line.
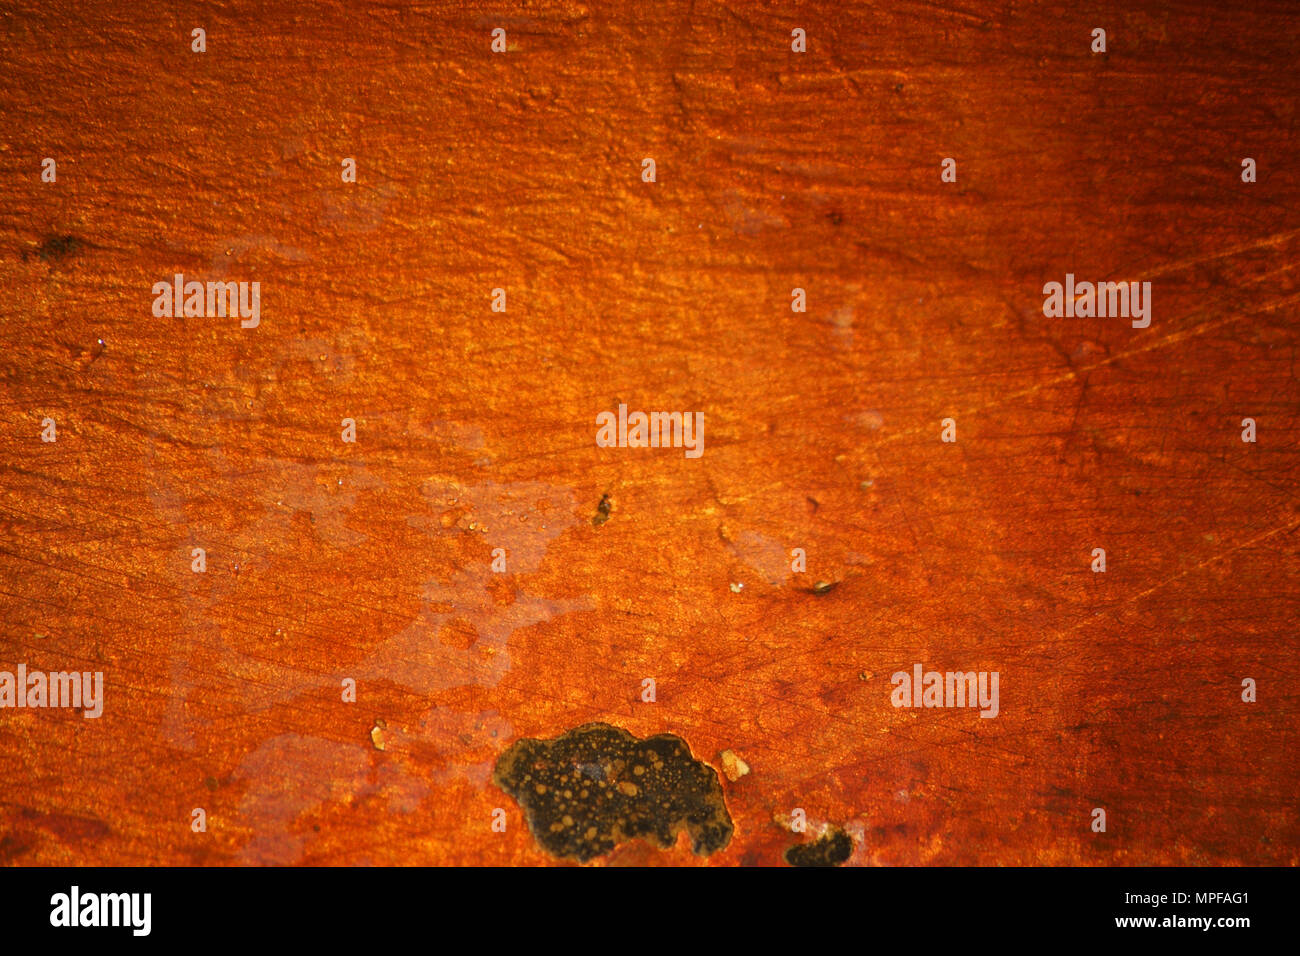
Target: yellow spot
[733, 766]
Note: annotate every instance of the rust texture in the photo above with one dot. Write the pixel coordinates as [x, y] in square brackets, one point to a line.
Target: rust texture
[329, 562]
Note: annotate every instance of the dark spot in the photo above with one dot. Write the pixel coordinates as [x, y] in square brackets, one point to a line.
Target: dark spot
[13, 846]
[834, 847]
[58, 248]
[835, 217]
[211, 783]
[898, 87]
[602, 511]
[597, 786]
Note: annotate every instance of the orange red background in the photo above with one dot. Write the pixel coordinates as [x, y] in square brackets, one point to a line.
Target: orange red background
[475, 429]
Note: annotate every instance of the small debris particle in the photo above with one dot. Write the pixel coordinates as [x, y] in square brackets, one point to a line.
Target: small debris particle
[737, 588]
[602, 511]
[865, 675]
[377, 734]
[823, 587]
[831, 849]
[733, 766]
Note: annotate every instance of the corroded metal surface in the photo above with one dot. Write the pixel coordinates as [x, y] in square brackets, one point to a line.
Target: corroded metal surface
[373, 562]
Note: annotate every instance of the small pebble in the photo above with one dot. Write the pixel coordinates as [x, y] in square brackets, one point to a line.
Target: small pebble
[733, 766]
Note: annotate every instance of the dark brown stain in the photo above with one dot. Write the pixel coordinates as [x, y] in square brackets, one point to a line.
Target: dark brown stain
[597, 786]
[54, 249]
[602, 511]
[13, 846]
[831, 849]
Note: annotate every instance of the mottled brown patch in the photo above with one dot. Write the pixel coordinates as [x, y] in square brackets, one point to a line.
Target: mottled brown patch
[597, 786]
[57, 248]
[831, 849]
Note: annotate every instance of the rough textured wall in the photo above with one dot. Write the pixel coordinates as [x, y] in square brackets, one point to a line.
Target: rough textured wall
[475, 429]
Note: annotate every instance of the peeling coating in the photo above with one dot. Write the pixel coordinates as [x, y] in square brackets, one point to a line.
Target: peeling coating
[596, 786]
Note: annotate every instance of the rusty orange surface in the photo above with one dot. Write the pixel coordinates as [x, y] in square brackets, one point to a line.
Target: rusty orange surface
[475, 429]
